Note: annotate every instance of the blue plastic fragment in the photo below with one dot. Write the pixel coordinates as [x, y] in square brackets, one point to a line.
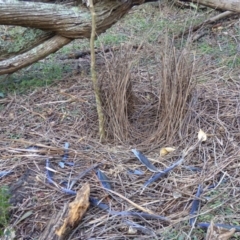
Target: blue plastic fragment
[65, 155]
[103, 179]
[5, 173]
[167, 170]
[69, 191]
[61, 164]
[192, 168]
[96, 203]
[212, 186]
[136, 172]
[154, 178]
[163, 173]
[141, 215]
[49, 173]
[144, 160]
[221, 181]
[69, 164]
[66, 145]
[195, 206]
[63, 183]
[206, 225]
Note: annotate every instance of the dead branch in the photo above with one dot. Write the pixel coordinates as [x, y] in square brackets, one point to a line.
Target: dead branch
[228, 5]
[8, 51]
[207, 22]
[33, 55]
[62, 223]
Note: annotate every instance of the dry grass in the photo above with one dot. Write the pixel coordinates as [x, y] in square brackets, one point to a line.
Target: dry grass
[175, 94]
[147, 106]
[117, 94]
[153, 109]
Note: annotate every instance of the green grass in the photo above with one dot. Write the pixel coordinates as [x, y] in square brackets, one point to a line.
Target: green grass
[220, 210]
[20, 35]
[222, 50]
[39, 75]
[180, 232]
[111, 39]
[4, 208]
[217, 208]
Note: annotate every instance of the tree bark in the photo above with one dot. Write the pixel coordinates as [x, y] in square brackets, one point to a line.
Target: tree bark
[33, 55]
[228, 5]
[9, 50]
[74, 22]
[66, 22]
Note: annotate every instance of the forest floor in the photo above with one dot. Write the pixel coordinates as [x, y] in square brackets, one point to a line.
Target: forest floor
[158, 90]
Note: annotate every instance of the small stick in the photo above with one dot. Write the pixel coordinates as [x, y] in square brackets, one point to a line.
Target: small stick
[131, 202]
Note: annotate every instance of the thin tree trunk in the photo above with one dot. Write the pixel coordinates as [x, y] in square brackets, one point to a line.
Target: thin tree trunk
[94, 75]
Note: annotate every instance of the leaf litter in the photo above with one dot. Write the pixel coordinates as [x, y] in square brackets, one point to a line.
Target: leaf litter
[213, 107]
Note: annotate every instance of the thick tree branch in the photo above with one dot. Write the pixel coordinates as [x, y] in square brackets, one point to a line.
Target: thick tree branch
[69, 23]
[8, 49]
[228, 5]
[74, 22]
[35, 54]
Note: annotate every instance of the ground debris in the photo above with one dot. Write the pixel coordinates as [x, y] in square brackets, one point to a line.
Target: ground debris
[62, 223]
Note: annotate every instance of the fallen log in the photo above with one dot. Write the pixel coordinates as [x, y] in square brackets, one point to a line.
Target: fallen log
[67, 23]
[227, 5]
[39, 52]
